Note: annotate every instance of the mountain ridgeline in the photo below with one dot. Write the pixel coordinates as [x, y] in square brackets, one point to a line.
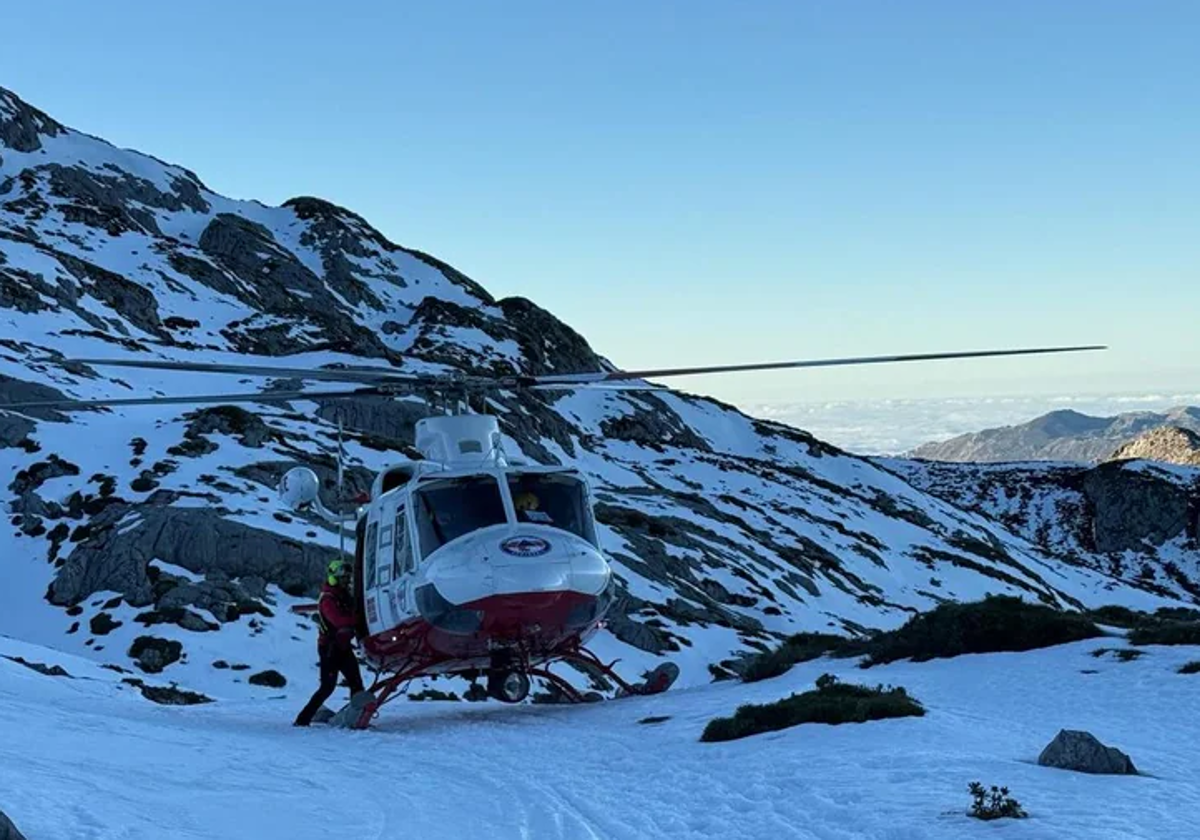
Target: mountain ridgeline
[1063, 435]
[150, 536]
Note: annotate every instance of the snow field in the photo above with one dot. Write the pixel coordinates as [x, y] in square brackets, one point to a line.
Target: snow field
[82, 759]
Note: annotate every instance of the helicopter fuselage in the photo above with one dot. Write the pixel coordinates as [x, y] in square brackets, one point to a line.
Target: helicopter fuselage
[454, 571]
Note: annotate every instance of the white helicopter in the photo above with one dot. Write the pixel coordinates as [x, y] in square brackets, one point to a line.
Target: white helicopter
[469, 561]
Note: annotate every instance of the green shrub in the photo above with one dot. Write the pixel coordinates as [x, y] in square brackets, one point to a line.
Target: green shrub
[1169, 633]
[831, 702]
[801, 647]
[997, 623]
[1177, 614]
[994, 804]
[1123, 654]
[1190, 668]
[1118, 616]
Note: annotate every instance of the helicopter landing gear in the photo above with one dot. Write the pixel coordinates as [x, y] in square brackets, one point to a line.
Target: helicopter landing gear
[508, 686]
[655, 682]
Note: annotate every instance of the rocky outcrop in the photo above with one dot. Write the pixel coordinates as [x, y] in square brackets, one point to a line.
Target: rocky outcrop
[123, 539]
[269, 679]
[1168, 444]
[119, 202]
[14, 429]
[8, 831]
[547, 344]
[22, 126]
[264, 274]
[17, 390]
[655, 427]
[152, 654]
[248, 428]
[1129, 518]
[1133, 508]
[1081, 751]
[167, 695]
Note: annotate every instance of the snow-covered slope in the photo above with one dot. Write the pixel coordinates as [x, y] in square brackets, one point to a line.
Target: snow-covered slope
[726, 531]
[84, 757]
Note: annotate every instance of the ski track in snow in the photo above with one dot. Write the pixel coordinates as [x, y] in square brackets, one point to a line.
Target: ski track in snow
[86, 760]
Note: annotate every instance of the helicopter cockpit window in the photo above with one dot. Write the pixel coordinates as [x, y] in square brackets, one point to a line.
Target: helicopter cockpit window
[555, 500]
[452, 507]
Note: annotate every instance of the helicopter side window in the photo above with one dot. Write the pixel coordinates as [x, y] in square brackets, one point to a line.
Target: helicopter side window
[403, 560]
[449, 508]
[371, 554]
[384, 568]
[555, 500]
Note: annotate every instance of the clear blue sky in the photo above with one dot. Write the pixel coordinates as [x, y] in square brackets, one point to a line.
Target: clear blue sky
[706, 182]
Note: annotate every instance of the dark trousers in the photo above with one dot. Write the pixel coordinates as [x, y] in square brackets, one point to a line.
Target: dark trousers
[333, 662]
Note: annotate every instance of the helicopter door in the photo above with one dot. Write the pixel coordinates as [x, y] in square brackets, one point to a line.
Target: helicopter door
[402, 567]
[378, 541]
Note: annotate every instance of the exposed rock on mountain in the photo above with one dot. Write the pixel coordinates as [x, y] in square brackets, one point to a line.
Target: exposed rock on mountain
[1124, 517]
[726, 533]
[1169, 444]
[8, 831]
[1058, 436]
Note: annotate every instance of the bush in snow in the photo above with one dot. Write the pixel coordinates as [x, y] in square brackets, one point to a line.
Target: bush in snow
[997, 623]
[832, 702]
[1137, 620]
[993, 804]
[1117, 616]
[1123, 654]
[1190, 668]
[1169, 633]
[798, 648]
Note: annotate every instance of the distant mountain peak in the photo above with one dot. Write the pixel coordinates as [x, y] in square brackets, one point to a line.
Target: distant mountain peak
[1061, 435]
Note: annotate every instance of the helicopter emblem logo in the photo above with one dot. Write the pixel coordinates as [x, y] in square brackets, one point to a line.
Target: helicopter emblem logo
[525, 546]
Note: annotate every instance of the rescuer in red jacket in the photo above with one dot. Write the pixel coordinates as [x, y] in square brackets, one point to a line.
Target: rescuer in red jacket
[335, 641]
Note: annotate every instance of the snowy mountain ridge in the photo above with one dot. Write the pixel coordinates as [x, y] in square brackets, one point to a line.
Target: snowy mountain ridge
[160, 522]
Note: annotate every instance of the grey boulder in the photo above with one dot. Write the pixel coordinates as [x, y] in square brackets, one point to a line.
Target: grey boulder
[1073, 749]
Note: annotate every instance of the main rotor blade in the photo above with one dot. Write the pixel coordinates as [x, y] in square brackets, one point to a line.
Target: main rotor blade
[376, 375]
[594, 386]
[263, 397]
[618, 375]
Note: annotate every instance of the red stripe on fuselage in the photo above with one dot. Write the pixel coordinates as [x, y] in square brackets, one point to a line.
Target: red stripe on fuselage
[533, 624]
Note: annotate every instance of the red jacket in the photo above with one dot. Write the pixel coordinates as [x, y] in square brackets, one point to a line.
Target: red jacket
[335, 617]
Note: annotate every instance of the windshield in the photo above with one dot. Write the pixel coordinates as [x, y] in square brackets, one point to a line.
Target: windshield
[450, 508]
[555, 500]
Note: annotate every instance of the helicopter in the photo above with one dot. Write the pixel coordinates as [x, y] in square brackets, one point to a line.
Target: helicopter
[469, 560]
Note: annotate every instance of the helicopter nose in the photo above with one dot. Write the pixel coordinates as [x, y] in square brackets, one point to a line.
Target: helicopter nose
[534, 563]
[533, 587]
[543, 566]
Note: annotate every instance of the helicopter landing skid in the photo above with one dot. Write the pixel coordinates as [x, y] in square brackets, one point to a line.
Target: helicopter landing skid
[656, 682]
[363, 707]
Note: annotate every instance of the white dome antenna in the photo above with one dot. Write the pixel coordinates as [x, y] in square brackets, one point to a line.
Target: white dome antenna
[300, 490]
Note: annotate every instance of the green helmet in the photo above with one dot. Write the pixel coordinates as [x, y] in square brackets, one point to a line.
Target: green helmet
[338, 571]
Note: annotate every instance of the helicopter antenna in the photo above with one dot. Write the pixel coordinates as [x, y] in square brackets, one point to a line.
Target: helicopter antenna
[340, 494]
